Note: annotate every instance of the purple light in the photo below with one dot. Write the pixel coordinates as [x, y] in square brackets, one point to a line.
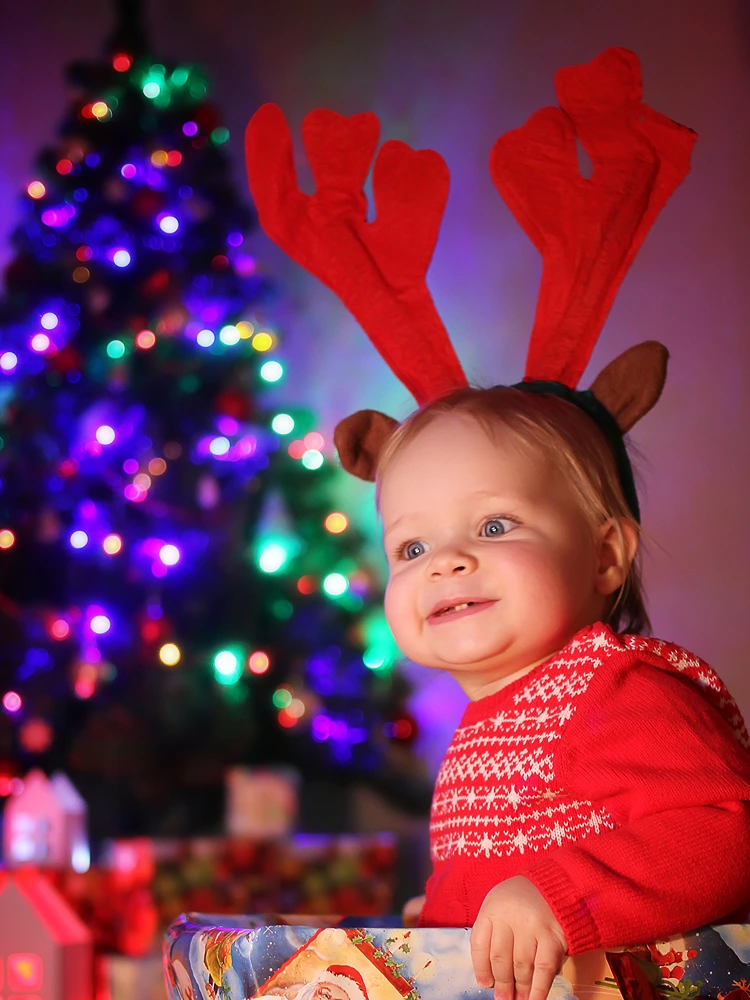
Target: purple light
[168, 223]
[159, 570]
[227, 426]
[105, 434]
[321, 728]
[8, 361]
[246, 446]
[169, 555]
[130, 466]
[134, 493]
[12, 702]
[57, 218]
[87, 509]
[235, 239]
[128, 170]
[190, 128]
[40, 343]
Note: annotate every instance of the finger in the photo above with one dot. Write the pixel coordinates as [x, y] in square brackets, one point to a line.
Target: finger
[480, 941]
[524, 955]
[501, 960]
[549, 957]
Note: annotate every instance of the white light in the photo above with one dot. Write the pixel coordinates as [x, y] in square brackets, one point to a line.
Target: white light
[100, 624]
[169, 224]
[312, 459]
[105, 434]
[80, 860]
[152, 90]
[272, 558]
[335, 584]
[229, 335]
[219, 446]
[169, 555]
[271, 371]
[40, 342]
[121, 258]
[50, 321]
[79, 539]
[206, 338]
[8, 361]
[282, 423]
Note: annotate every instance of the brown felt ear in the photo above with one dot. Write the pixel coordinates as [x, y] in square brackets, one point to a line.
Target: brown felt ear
[630, 385]
[360, 438]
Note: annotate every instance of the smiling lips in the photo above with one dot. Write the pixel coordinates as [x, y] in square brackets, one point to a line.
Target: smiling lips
[444, 612]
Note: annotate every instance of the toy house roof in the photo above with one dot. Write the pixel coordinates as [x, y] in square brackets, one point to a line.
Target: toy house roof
[50, 795]
[28, 891]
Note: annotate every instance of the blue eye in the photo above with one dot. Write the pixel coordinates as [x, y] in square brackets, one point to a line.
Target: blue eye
[413, 549]
[497, 526]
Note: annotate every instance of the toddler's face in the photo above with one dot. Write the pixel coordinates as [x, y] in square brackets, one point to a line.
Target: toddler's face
[493, 567]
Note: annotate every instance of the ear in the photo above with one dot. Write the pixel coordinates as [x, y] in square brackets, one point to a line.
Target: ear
[618, 544]
[630, 385]
[359, 440]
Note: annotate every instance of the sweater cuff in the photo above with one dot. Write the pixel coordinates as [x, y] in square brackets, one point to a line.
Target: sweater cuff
[565, 901]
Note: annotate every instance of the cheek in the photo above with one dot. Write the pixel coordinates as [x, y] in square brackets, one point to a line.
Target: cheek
[398, 604]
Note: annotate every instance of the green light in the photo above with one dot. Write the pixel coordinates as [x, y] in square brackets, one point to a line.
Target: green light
[271, 371]
[115, 349]
[381, 651]
[273, 557]
[227, 667]
[282, 698]
[312, 459]
[220, 135]
[282, 423]
[374, 658]
[282, 610]
[180, 76]
[335, 584]
[197, 90]
[151, 89]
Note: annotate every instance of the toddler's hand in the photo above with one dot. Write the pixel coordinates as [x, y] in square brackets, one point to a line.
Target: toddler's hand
[412, 909]
[516, 942]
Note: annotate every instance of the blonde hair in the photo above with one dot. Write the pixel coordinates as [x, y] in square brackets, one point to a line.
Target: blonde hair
[568, 437]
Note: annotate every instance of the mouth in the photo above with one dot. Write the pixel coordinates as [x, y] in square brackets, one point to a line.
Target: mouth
[460, 609]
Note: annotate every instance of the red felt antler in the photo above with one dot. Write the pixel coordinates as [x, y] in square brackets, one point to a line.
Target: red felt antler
[587, 230]
[377, 269]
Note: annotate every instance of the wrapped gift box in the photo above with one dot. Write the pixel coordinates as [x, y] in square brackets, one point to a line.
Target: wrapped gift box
[251, 957]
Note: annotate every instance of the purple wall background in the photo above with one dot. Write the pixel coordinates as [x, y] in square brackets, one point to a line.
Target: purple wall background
[453, 75]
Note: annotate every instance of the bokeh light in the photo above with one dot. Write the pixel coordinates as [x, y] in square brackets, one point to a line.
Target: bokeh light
[115, 349]
[262, 342]
[335, 584]
[170, 654]
[79, 539]
[12, 702]
[271, 371]
[169, 555]
[121, 258]
[50, 320]
[112, 544]
[105, 434]
[205, 338]
[100, 624]
[145, 340]
[336, 523]
[7, 538]
[282, 423]
[40, 343]
[36, 190]
[273, 557]
[258, 662]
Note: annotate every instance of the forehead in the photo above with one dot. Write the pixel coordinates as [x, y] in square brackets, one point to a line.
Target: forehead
[455, 455]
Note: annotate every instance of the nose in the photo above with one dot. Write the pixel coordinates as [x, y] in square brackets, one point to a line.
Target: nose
[452, 560]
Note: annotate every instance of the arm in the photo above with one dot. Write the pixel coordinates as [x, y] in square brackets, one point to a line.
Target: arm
[650, 748]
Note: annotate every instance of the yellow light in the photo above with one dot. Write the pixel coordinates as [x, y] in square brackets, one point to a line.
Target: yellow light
[246, 329]
[157, 466]
[142, 481]
[112, 544]
[81, 275]
[262, 342]
[336, 523]
[7, 538]
[170, 654]
[160, 157]
[36, 190]
[99, 109]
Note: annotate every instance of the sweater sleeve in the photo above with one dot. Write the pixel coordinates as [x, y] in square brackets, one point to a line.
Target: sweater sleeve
[650, 748]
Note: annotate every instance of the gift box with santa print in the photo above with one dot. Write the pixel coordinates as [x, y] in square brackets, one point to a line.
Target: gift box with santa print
[235, 958]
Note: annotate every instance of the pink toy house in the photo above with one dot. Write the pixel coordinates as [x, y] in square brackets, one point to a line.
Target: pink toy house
[45, 950]
[45, 824]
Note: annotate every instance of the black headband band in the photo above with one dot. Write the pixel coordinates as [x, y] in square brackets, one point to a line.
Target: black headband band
[585, 400]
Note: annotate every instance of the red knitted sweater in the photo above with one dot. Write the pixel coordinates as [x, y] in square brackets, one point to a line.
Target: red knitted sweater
[616, 777]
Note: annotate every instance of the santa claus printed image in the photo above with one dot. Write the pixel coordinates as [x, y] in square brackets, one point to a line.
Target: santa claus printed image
[337, 982]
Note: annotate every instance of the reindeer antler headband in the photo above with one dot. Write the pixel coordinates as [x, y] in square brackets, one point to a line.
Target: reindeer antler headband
[587, 230]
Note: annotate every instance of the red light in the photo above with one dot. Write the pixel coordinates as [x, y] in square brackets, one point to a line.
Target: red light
[174, 158]
[151, 631]
[145, 339]
[220, 262]
[87, 111]
[122, 63]
[297, 449]
[60, 629]
[64, 166]
[258, 662]
[84, 253]
[286, 720]
[84, 688]
[6, 785]
[305, 585]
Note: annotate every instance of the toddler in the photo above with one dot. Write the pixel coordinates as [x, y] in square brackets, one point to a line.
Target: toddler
[597, 790]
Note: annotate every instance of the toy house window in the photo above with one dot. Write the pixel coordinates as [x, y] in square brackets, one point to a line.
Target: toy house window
[29, 837]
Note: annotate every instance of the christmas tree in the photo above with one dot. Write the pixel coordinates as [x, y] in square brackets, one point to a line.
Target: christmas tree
[178, 590]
